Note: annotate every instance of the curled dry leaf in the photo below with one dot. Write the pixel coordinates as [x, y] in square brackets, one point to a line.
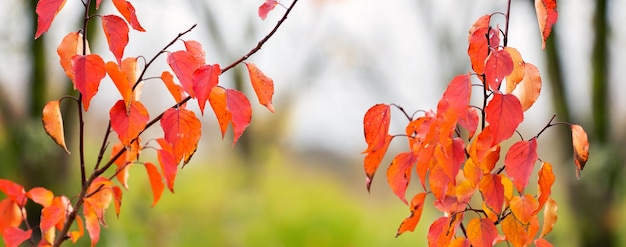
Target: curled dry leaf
[581, 147]
[53, 123]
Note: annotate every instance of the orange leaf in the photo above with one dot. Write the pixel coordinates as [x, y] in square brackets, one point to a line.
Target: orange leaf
[266, 7]
[460, 242]
[88, 72]
[50, 216]
[183, 63]
[372, 161]
[156, 182]
[376, 126]
[91, 223]
[530, 87]
[263, 86]
[10, 214]
[46, 11]
[116, 31]
[41, 195]
[499, 64]
[518, 69]
[523, 207]
[438, 182]
[469, 121]
[532, 228]
[520, 161]
[481, 232]
[168, 163]
[128, 123]
[196, 49]
[128, 12]
[417, 206]
[546, 17]
[241, 111]
[546, 179]
[71, 45]
[14, 191]
[514, 231]
[581, 147]
[53, 123]
[399, 174]
[549, 217]
[117, 199]
[472, 172]
[441, 232]
[120, 80]
[492, 191]
[174, 89]
[101, 191]
[504, 114]
[14, 236]
[450, 155]
[217, 99]
[182, 131]
[204, 79]
[457, 95]
[124, 162]
[75, 235]
[483, 153]
[540, 242]
[481, 22]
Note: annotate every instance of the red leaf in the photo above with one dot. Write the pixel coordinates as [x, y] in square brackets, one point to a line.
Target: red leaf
[376, 126]
[469, 121]
[581, 147]
[204, 79]
[128, 12]
[546, 17]
[492, 191]
[53, 123]
[14, 236]
[399, 174]
[129, 121]
[120, 80]
[457, 95]
[546, 179]
[183, 63]
[50, 216]
[182, 130]
[117, 199]
[88, 72]
[217, 99]
[168, 163]
[372, 161]
[263, 86]
[241, 111]
[504, 114]
[520, 161]
[540, 242]
[91, 223]
[41, 196]
[499, 64]
[14, 191]
[481, 38]
[46, 11]
[10, 214]
[450, 155]
[549, 217]
[441, 232]
[417, 206]
[116, 31]
[174, 89]
[439, 181]
[530, 87]
[481, 232]
[70, 46]
[196, 49]
[156, 182]
[266, 8]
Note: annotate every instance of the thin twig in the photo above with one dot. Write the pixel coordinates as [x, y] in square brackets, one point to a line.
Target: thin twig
[103, 147]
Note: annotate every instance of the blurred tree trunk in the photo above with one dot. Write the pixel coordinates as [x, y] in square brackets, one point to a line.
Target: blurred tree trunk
[593, 197]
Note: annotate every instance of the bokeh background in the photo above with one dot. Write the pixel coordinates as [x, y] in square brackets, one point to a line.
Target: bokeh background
[295, 178]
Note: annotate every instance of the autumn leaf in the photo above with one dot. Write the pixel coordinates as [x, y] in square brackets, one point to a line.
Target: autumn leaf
[71, 45]
[471, 172]
[441, 232]
[53, 123]
[14, 191]
[438, 181]
[75, 235]
[549, 217]
[581, 147]
[523, 207]
[217, 99]
[88, 72]
[117, 199]
[541, 242]
[120, 80]
[492, 191]
[204, 79]
[514, 231]
[520, 161]
[169, 164]
[498, 65]
[518, 69]
[124, 161]
[196, 49]
[460, 242]
[50, 216]
[529, 88]
[457, 95]
[128, 12]
[175, 90]
[469, 121]
[14, 236]
[399, 174]
[372, 161]
[94, 206]
[41, 196]
[184, 64]
[263, 86]
[546, 17]
[182, 131]
[546, 179]
[481, 39]
[128, 123]
[417, 206]
[241, 111]
[46, 11]
[156, 182]
[10, 214]
[481, 232]
[116, 31]
[376, 126]
[91, 223]
[266, 7]
[504, 114]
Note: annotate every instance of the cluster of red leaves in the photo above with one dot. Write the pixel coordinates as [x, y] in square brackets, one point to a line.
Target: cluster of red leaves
[128, 119]
[454, 167]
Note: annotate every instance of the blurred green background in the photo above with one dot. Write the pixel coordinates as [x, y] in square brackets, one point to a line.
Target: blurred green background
[296, 178]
